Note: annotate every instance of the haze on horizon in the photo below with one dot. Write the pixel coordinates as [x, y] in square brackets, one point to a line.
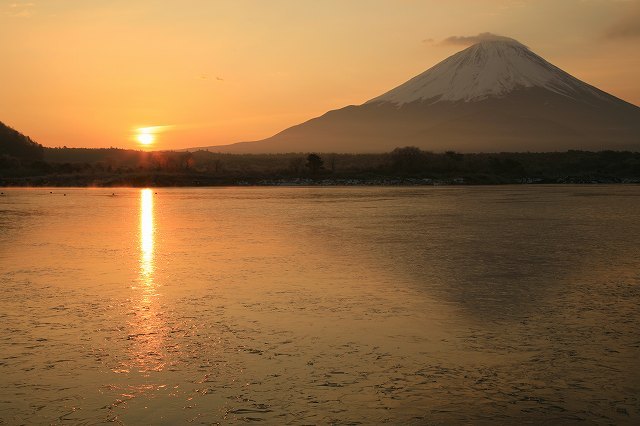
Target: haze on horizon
[82, 74]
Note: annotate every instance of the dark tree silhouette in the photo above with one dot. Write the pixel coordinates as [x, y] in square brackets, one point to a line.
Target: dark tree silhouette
[111, 166]
[408, 159]
[454, 155]
[296, 164]
[314, 163]
[17, 145]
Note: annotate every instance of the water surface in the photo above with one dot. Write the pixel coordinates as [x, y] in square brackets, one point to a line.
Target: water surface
[320, 305]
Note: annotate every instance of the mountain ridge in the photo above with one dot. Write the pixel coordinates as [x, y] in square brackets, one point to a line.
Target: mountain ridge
[496, 95]
[490, 68]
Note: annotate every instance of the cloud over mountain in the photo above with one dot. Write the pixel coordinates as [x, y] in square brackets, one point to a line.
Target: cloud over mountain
[473, 39]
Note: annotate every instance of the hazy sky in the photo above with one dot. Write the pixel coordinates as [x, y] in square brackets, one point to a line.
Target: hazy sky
[207, 72]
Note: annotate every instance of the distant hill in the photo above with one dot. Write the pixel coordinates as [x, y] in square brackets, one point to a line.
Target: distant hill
[91, 155]
[15, 144]
[494, 96]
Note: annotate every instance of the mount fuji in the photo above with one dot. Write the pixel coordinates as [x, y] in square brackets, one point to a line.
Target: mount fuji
[496, 95]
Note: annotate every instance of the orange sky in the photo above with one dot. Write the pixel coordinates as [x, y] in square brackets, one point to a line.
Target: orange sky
[206, 72]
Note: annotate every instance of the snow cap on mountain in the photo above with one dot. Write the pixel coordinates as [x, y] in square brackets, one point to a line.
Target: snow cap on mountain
[490, 68]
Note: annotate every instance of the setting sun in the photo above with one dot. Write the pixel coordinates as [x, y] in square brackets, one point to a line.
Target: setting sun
[145, 137]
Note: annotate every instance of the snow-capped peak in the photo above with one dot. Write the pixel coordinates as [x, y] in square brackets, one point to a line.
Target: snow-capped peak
[490, 68]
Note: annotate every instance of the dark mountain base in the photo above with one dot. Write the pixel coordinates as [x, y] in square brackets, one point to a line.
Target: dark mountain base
[403, 166]
[532, 120]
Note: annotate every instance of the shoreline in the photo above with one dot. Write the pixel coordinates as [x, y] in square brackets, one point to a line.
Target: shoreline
[407, 166]
[182, 182]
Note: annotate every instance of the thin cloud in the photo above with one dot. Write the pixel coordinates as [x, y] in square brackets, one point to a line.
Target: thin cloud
[20, 9]
[470, 40]
[154, 129]
[208, 77]
[627, 26]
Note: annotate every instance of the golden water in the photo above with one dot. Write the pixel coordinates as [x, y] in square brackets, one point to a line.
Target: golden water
[320, 305]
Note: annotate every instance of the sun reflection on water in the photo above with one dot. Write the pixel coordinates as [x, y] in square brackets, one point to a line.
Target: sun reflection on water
[147, 326]
[146, 236]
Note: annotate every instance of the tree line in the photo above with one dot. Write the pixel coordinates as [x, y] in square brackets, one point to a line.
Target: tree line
[75, 166]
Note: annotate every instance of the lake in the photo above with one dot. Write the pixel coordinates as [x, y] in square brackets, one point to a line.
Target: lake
[422, 305]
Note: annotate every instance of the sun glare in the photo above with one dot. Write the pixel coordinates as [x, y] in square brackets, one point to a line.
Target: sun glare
[145, 137]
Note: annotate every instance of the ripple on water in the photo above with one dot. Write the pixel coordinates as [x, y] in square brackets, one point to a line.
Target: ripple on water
[346, 306]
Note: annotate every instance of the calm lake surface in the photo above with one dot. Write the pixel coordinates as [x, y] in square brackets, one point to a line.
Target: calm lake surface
[432, 305]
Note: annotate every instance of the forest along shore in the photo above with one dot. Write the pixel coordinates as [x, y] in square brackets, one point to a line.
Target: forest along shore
[403, 166]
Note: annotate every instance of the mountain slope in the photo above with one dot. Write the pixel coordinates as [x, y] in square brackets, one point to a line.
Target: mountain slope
[493, 96]
[15, 144]
[488, 69]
